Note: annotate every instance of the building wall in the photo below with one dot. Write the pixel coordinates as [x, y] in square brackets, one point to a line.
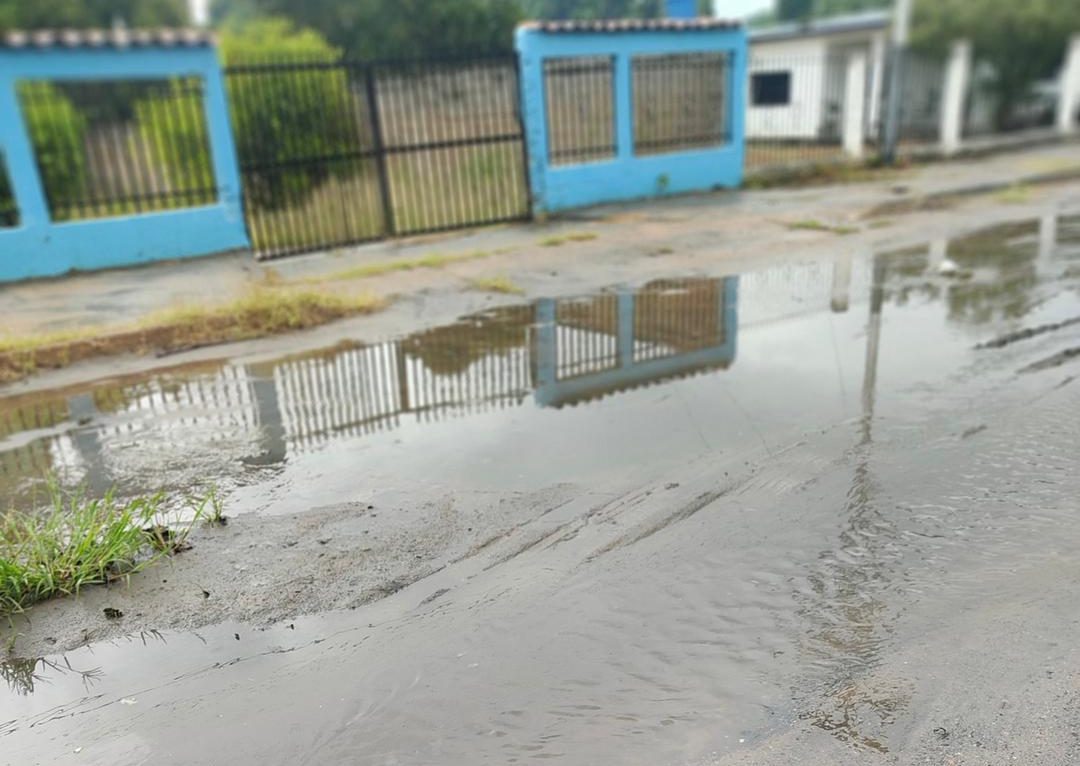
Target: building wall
[805, 60]
[818, 75]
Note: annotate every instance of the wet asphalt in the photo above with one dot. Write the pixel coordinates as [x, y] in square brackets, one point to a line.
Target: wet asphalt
[824, 511]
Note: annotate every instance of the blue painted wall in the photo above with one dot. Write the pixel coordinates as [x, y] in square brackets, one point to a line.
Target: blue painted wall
[39, 247]
[625, 176]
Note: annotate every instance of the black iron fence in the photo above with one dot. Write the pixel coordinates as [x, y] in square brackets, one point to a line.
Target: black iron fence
[579, 95]
[9, 211]
[106, 148]
[680, 101]
[795, 109]
[922, 81]
[335, 153]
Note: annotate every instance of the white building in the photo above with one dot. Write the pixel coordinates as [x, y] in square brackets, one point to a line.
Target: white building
[798, 73]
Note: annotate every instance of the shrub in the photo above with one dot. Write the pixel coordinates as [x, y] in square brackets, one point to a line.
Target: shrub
[302, 112]
[57, 130]
[180, 147]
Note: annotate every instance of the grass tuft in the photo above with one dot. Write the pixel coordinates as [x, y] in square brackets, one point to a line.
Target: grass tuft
[557, 241]
[263, 311]
[496, 284]
[379, 268]
[815, 225]
[76, 542]
[1016, 194]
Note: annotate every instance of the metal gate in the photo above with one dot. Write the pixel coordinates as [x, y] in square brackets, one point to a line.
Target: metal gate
[340, 153]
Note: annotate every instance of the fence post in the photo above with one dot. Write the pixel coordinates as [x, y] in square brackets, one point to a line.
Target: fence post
[531, 94]
[1069, 95]
[379, 149]
[854, 105]
[954, 95]
[624, 107]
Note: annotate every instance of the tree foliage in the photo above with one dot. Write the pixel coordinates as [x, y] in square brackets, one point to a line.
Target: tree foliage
[31, 14]
[57, 131]
[593, 9]
[794, 10]
[308, 113]
[394, 29]
[1023, 42]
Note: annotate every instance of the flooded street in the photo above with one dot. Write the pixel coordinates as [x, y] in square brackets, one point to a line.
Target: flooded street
[826, 511]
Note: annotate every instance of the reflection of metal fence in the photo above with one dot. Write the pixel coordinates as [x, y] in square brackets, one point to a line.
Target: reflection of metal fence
[586, 335]
[677, 316]
[335, 153]
[352, 393]
[116, 147]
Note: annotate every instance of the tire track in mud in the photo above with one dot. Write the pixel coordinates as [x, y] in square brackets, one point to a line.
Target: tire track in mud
[1014, 337]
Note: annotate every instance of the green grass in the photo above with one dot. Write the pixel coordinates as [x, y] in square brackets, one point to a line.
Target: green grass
[379, 268]
[263, 310]
[815, 225]
[557, 241]
[1017, 194]
[497, 284]
[76, 542]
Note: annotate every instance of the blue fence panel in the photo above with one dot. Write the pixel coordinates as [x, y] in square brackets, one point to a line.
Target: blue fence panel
[706, 65]
[38, 245]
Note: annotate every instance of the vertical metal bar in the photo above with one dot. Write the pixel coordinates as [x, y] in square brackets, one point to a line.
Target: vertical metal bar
[380, 150]
[520, 148]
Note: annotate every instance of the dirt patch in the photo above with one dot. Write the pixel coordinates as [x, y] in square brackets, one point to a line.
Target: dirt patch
[261, 570]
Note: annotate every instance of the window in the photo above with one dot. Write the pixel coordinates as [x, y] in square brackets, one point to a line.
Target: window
[770, 89]
[680, 101]
[118, 147]
[580, 93]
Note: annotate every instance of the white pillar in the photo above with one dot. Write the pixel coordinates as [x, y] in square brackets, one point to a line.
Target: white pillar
[840, 296]
[936, 253]
[854, 105]
[954, 95]
[1069, 95]
[878, 54]
[1047, 243]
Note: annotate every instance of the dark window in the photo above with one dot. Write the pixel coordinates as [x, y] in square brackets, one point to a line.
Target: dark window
[771, 88]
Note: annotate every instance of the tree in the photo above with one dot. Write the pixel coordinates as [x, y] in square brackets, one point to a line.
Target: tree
[1022, 41]
[794, 10]
[24, 14]
[394, 29]
[593, 9]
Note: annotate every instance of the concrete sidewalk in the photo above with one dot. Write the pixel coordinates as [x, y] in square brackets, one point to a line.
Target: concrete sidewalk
[742, 222]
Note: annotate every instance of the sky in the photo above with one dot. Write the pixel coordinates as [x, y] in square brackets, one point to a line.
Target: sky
[737, 9]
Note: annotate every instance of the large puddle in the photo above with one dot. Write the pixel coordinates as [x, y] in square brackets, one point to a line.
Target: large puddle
[834, 399]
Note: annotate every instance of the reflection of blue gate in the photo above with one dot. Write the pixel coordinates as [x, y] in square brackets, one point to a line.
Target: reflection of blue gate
[639, 341]
[627, 109]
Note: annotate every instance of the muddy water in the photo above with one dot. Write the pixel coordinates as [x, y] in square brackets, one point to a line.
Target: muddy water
[793, 492]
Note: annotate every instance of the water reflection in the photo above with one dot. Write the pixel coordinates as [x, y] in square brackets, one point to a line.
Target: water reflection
[995, 273]
[559, 352]
[232, 421]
